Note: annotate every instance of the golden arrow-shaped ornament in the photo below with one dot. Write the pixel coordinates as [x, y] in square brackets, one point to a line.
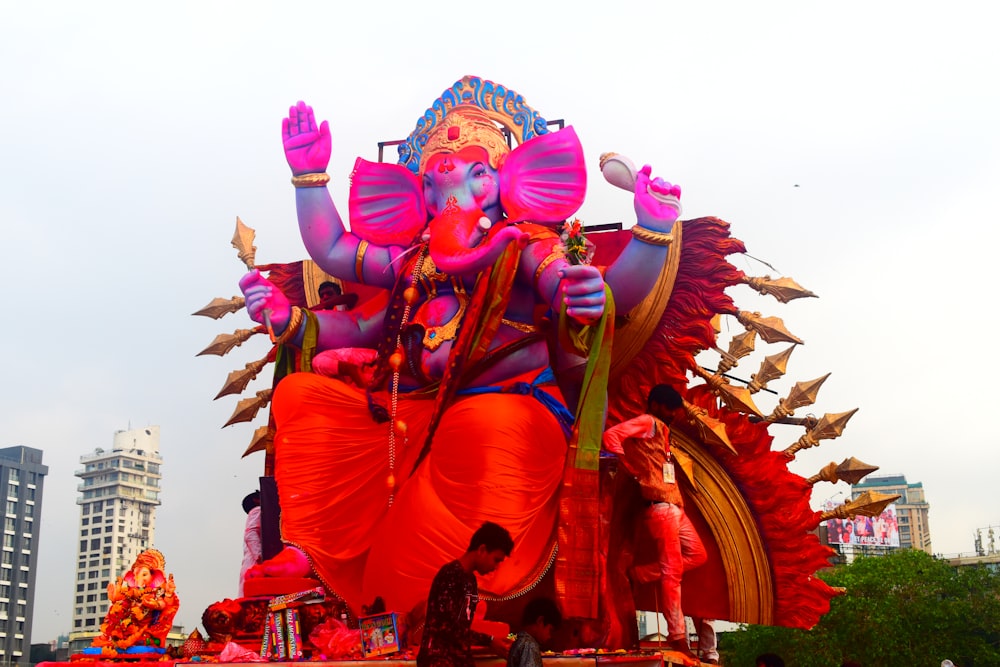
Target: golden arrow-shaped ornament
[740, 346]
[830, 426]
[223, 343]
[772, 368]
[262, 440]
[735, 398]
[710, 429]
[218, 307]
[243, 242]
[247, 409]
[849, 470]
[782, 289]
[771, 329]
[802, 394]
[238, 380]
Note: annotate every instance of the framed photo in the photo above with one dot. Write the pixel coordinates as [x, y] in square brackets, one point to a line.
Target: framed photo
[379, 634]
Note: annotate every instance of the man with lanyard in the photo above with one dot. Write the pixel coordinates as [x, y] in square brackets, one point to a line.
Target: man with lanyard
[643, 447]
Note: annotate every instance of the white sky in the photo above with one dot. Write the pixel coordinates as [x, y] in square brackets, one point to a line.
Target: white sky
[132, 137]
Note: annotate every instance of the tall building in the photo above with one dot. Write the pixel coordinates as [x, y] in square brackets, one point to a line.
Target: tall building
[118, 499]
[22, 475]
[911, 509]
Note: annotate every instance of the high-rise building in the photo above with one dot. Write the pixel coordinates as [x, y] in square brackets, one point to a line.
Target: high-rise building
[22, 475]
[118, 499]
[912, 508]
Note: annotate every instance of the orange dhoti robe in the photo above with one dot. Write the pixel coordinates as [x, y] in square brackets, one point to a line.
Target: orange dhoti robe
[494, 457]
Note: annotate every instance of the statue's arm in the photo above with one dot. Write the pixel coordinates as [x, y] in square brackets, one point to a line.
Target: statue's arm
[265, 302]
[635, 271]
[338, 252]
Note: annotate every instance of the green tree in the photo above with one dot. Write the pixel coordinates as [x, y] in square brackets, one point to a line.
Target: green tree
[905, 609]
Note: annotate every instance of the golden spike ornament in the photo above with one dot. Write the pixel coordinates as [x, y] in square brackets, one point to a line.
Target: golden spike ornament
[772, 368]
[802, 394]
[709, 428]
[262, 441]
[782, 289]
[238, 380]
[869, 503]
[830, 426]
[771, 329]
[736, 398]
[740, 346]
[849, 470]
[247, 409]
[218, 307]
[243, 242]
[223, 343]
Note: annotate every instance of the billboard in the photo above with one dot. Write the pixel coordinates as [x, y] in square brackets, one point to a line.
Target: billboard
[879, 531]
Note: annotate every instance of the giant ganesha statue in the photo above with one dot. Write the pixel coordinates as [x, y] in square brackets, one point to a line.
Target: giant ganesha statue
[493, 353]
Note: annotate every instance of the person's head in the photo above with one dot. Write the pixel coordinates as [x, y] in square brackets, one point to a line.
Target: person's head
[769, 660]
[489, 545]
[250, 501]
[328, 291]
[663, 401]
[541, 617]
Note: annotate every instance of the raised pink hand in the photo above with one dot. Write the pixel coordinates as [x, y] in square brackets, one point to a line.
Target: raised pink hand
[583, 292]
[262, 295]
[650, 209]
[307, 147]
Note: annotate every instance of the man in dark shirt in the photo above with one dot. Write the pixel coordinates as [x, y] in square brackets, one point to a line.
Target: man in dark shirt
[451, 604]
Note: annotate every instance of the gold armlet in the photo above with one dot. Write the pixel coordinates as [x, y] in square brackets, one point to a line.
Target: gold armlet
[544, 264]
[310, 180]
[294, 322]
[652, 237]
[359, 261]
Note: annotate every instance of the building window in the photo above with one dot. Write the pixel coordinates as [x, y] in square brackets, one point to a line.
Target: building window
[91, 621]
[9, 524]
[86, 509]
[15, 475]
[11, 507]
[95, 544]
[79, 588]
[12, 490]
[8, 541]
[79, 599]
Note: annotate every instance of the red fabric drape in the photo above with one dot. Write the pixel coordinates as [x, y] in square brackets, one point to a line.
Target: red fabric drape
[494, 457]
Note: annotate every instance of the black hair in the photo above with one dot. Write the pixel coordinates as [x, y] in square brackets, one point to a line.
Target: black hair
[666, 396]
[252, 500]
[769, 660]
[327, 283]
[494, 537]
[546, 608]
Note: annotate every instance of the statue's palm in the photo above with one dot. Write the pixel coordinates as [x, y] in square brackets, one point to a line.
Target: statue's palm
[307, 146]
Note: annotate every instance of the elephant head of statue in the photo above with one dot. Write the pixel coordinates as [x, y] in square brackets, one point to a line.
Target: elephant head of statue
[468, 191]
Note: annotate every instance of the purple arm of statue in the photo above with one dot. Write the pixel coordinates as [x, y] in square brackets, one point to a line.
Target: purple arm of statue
[307, 150]
[336, 329]
[629, 282]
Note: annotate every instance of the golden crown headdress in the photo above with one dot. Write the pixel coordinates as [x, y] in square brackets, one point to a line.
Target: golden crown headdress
[497, 104]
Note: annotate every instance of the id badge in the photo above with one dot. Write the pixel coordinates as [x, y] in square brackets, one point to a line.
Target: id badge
[668, 473]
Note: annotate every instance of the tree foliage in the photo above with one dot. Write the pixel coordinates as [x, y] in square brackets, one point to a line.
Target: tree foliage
[905, 608]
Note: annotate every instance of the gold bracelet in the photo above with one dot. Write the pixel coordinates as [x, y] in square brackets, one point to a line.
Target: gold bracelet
[359, 261]
[544, 264]
[311, 180]
[294, 322]
[652, 237]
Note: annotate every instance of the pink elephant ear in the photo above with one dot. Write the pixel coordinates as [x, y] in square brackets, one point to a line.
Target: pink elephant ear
[386, 204]
[544, 179]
